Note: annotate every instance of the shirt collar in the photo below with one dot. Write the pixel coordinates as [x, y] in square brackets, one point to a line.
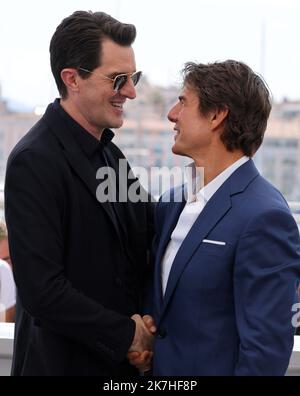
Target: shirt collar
[195, 181]
[85, 140]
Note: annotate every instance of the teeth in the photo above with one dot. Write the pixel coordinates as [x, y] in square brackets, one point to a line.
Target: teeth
[117, 105]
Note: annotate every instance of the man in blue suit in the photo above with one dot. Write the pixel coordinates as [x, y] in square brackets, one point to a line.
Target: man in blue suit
[228, 253]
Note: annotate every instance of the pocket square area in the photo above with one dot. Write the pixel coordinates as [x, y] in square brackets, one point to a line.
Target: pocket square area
[214, 242]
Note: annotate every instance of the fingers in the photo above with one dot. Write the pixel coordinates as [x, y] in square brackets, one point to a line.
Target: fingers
[143, 338]
[149, 322]
[133, 355]
[138, 357]
[146, 361]
[142, 361]
[140, 353]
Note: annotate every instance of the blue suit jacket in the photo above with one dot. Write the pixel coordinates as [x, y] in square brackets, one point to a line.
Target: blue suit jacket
[227, 308]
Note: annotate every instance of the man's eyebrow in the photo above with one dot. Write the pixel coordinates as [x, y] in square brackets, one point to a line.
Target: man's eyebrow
[117, 73]
[112, 74]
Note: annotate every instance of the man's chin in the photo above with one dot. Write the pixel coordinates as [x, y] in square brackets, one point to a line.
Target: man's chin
[117, 124]
[176, 150]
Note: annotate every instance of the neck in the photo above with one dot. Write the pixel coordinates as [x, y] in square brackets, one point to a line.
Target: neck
[75, 113]
[217, 163]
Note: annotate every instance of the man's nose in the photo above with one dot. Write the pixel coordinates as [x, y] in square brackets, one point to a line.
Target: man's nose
[128, 89]
[172, 115]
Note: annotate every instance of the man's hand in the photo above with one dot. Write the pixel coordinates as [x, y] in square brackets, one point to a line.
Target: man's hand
[142, 359]
[149, 322]
[143, 339]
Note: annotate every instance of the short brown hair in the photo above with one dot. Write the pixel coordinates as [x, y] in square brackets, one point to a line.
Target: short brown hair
[78, 39]
[234, 86]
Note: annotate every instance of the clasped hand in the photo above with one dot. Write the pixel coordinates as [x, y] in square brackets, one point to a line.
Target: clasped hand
[141, 351]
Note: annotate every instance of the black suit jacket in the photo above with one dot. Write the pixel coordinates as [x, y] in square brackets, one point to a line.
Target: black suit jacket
[79, 265]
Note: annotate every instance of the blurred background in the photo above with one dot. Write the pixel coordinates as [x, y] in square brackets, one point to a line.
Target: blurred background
[263, 33]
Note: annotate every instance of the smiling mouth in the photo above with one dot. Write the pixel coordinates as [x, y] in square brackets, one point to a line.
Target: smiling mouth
[117, 105]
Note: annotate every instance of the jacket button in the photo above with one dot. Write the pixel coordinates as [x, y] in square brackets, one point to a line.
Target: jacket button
[161, 333]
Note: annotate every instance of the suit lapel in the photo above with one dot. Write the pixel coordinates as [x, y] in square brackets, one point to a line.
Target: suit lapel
[173, 212]
[77, 159]
[122, 186]
[216, 208]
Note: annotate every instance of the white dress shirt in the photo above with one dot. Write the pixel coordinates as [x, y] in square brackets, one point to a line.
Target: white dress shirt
[196, 200]
[7, 287]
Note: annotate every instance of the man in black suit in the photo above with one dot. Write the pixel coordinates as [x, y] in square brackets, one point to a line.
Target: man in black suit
[79, 263]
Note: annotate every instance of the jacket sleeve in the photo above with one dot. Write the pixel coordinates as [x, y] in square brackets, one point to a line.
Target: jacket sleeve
[266, 273]
[34, 206]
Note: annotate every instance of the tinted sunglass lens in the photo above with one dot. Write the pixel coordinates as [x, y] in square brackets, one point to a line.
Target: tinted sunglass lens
[136, 77]
[120, 82]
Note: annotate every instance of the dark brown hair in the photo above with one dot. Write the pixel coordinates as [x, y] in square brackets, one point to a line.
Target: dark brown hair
[234, 86]
[77, 42]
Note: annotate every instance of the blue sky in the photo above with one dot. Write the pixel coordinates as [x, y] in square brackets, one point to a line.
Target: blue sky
[170, 32]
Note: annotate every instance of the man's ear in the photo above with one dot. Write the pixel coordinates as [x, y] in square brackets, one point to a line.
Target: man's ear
[217, 117]
[70, 79]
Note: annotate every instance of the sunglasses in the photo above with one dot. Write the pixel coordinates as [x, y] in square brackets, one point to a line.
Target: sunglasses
[120, 80]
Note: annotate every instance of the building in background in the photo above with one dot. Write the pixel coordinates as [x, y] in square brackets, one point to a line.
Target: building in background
[146, 138]
[13, 125]
[279, 156]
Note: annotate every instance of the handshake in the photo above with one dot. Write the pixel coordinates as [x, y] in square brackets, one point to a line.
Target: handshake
[141, 351]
